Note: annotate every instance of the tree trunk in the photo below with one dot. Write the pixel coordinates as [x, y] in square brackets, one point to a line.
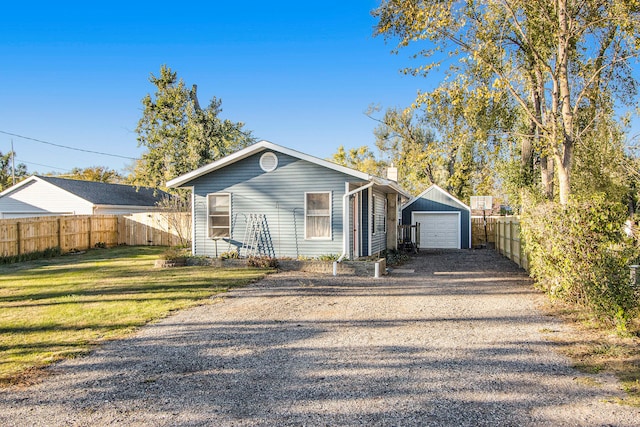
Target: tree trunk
[563, 183]
[547, 175]
[565, 162]
[193, 94]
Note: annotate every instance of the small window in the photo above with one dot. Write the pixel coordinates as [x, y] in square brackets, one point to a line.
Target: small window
[219, 207]
[317, 215]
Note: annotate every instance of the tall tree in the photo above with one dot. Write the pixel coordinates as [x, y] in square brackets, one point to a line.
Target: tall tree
[407, 144]
[178, 134]
[361, 158]
[7, 171]
[554, 58]
[96, 173]
[438, 144]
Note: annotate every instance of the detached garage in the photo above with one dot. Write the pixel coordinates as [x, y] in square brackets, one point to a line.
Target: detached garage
[445, 222]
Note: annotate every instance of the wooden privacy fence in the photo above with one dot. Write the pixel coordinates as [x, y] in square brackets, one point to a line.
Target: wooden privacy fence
[508, 242]
[155, 229]
[478, 237]
[26, 235]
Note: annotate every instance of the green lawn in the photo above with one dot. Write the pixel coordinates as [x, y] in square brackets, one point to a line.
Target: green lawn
[61, 307]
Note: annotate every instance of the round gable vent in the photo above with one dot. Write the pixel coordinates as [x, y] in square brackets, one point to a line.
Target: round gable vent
[268, 162]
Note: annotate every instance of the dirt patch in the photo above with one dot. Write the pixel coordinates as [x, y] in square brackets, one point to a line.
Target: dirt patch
[595, 348]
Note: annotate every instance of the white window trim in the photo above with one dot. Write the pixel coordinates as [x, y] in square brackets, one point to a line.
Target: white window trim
[209, 215]
[330, 237]
[373, 214]
[385, 213]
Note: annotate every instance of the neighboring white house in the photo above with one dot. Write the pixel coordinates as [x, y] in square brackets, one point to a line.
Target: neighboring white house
[46, 196]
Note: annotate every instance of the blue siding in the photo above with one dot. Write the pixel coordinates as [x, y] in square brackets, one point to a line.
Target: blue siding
[435, 200]
[379, 236]
[364, 228]
[279, 195]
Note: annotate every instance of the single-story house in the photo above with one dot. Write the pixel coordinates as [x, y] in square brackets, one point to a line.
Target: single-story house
[445, 222]
[271, 200]
[47, 196]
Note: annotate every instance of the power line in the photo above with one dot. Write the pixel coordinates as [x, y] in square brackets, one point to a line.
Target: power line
[66, 147]
[39, 164]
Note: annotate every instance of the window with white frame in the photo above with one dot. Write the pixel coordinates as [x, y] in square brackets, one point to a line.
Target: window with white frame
[373, 214]
[385, 215]
[317, 215]
[219, 211]
[378, 214]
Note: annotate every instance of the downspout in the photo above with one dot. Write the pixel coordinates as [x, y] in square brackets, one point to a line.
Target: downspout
[193, 222]
[345, 221]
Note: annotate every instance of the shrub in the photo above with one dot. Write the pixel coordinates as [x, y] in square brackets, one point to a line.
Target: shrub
[395, 257]
[230, 255]
[329, 257]
[579, 253]
[262, 262]
[45, 254]
[174, 254]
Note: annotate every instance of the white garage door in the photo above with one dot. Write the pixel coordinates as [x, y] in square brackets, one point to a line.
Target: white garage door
[438, 230]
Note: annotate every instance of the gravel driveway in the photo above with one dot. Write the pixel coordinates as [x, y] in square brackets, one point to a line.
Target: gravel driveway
[457, 342]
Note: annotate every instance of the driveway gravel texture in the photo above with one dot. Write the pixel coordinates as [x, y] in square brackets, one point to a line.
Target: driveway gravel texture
[457, 342]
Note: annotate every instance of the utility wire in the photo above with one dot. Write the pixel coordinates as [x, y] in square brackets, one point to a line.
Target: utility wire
[67, 147]
[39, 164]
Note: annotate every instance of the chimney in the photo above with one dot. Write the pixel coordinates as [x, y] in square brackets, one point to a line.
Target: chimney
[392, 174]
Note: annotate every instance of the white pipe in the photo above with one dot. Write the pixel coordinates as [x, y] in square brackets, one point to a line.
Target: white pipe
[345, 218]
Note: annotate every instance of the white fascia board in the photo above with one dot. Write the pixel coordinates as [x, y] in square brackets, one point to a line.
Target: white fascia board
[436, 187]
[141, 207]
[196, 173]
[256, 148]
[321, 162]
[20, 184]
[391, 184]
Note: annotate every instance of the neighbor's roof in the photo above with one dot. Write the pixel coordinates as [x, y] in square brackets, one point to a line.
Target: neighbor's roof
[100, 193]
[266, 145]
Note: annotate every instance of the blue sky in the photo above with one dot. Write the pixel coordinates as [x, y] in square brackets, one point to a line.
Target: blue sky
[300, 74]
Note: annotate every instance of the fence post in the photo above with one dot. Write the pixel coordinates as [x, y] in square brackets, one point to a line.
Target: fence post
[59, 233]
[89, 233]
[511, 240]
[18, 237]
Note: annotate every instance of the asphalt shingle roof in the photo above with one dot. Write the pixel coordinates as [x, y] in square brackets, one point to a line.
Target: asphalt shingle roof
[101, 193]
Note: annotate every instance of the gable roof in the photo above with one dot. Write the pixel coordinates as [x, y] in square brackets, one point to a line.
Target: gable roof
[99, 193]
[434, 187]
[266, 145]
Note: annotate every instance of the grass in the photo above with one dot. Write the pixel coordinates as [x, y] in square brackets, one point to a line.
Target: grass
[594, 347]
[61, 308]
